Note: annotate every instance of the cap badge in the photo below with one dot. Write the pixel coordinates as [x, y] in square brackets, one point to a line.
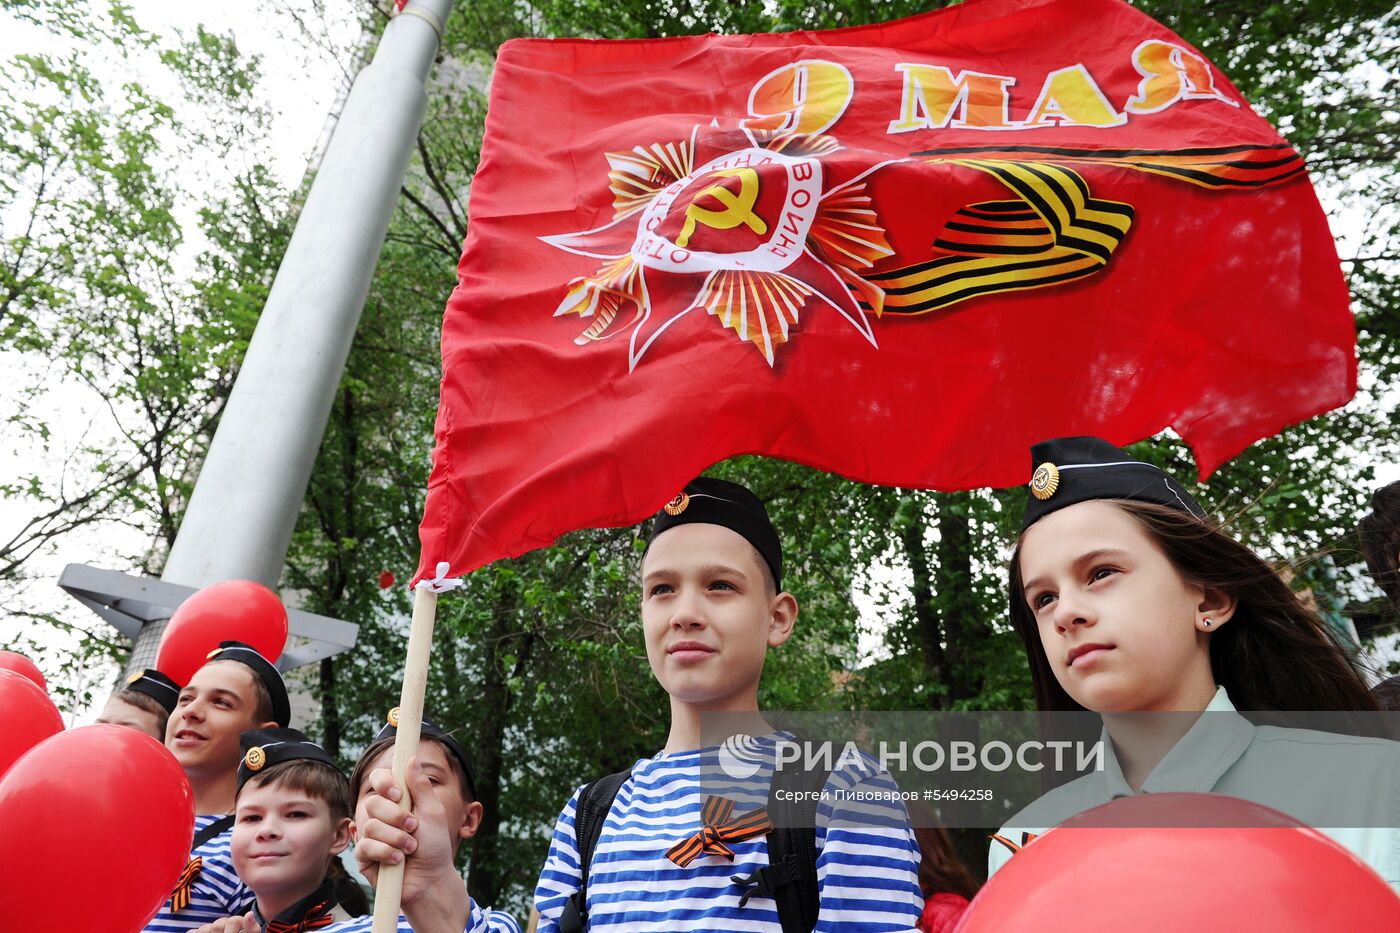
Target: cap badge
[393, 717]
[255, 759]
[134, 677]
[1045, 481]
[677, 505]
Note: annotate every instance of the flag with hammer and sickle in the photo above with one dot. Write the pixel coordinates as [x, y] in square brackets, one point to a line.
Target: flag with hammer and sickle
[900, 252]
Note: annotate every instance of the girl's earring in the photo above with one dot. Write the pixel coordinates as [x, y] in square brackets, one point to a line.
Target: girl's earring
[1205, 623]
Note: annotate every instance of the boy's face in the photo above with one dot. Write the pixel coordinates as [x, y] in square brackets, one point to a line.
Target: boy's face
[463, 818]
[121, 713]
[283, 839]
[709, 616]
[218, 705]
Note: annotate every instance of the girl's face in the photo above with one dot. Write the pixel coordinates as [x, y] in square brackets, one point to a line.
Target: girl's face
[1120, 627]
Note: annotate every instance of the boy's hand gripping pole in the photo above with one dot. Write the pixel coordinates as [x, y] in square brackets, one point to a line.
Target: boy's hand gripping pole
[388, 888]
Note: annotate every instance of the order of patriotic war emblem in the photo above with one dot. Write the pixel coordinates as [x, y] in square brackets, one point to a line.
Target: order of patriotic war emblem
[749, 209]
[743, 224]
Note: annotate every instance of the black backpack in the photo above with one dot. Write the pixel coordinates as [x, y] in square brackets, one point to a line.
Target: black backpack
[790, 877]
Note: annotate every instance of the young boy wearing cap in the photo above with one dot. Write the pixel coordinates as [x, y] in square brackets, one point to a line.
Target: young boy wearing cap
[663, 855]
[145, 703]
[426, 839]
[235, 691]
[291, 822]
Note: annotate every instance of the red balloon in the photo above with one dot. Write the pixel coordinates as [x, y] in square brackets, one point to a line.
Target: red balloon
[28, 715]
[1132, 865]
[95, 828]
[13, 661]
[235, 610]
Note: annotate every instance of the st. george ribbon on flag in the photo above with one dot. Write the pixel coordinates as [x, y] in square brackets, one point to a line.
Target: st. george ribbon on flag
[901, 252]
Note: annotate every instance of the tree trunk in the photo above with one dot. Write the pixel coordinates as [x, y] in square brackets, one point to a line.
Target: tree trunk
[926, 620]
[943, 580]
[330, 711]
[484, 881]
[963, 626]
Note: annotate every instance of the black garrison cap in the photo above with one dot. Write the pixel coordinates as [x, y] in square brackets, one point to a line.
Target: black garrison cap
[263, 748]
[720, 502]
[1069, 470]
[156, 686]
[431, 730]
[263, 670]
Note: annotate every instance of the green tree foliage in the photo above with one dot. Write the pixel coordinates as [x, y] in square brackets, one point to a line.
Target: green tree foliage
[126, 297]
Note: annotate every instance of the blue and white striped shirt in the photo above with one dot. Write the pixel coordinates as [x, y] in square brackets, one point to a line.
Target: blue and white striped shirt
[216, 893]
[867, 866]
[481, 920]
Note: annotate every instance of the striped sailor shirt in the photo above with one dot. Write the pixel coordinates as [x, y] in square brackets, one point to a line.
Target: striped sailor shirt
[867, 858]
[481, 920]
[216, 893]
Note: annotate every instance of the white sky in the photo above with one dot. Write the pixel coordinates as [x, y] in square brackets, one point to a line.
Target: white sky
[302, 85]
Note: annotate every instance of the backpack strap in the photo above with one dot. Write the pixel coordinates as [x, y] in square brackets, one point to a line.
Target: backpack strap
[791, 875]
[210, 831]
[594, 802]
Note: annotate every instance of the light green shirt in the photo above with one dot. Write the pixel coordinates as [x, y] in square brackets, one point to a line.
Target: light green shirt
[1315, 777]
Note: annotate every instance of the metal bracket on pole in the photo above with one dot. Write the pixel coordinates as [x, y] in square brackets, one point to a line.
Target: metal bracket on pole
[129, 603]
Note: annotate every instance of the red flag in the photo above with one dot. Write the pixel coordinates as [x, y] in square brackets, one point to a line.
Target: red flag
[901, 252]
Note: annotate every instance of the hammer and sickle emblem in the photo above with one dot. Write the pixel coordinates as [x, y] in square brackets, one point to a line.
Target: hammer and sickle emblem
[738, 208]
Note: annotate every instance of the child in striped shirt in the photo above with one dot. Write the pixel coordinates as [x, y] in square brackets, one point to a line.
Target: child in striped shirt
[670, 857]
[236, 690]
[445, 812]
[291, 822]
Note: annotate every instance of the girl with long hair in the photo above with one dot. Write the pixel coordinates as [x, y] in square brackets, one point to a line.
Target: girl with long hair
[1129, 600]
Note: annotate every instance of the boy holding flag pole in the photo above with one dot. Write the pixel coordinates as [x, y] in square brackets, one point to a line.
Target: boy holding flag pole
[388, 888]
[424, 843]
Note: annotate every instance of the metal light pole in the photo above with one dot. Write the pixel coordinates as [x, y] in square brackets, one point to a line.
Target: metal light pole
[244, 506]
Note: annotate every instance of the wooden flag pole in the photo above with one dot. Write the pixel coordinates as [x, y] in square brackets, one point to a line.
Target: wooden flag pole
[388, 886]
